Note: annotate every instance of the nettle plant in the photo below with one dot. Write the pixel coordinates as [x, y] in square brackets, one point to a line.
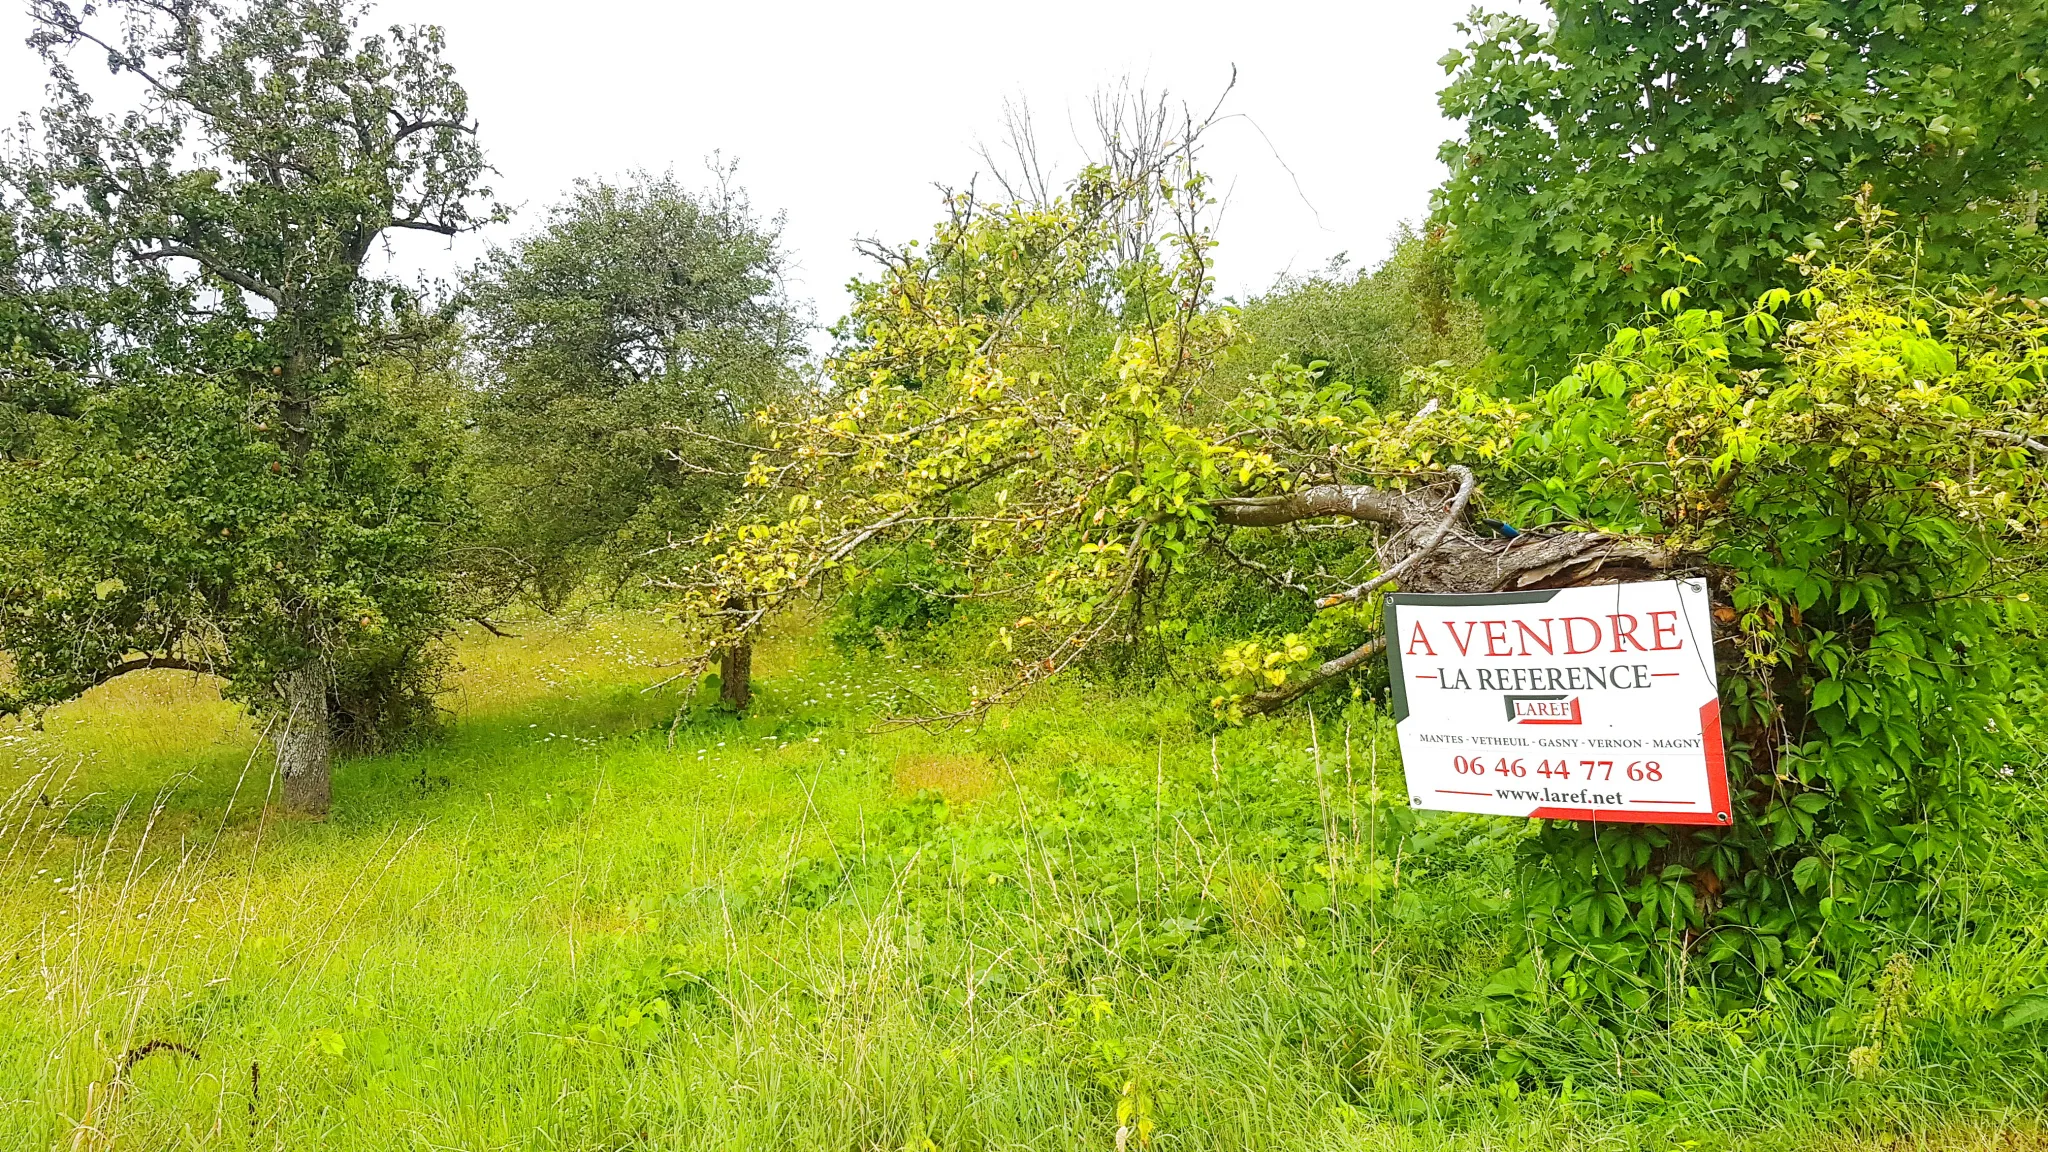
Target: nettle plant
[1864, 489]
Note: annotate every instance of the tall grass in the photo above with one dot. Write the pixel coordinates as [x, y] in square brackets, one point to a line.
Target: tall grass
[580, 924]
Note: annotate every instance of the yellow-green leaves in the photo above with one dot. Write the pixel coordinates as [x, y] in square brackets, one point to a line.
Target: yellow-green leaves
[1860, 495]
[1256, 666]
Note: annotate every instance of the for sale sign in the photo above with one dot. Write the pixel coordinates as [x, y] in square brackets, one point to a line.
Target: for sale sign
[1570, 704]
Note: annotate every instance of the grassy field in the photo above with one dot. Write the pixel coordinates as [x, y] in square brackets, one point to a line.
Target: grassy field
[576, 924]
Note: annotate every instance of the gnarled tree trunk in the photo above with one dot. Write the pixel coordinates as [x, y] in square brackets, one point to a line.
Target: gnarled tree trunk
[305, 746]
[735, 675]
[736, 665]
[1431, 547]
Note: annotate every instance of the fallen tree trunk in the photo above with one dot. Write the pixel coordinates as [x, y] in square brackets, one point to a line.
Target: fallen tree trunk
[1431, 547]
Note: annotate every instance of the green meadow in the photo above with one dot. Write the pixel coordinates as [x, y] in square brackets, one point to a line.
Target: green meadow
[588, 919]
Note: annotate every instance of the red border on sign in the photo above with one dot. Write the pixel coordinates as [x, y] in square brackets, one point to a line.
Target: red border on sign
[1717, 788]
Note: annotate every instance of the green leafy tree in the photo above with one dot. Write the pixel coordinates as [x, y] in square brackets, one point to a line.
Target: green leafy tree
[219, 487]
[31, 338]
[627, 342]
[1605, 148]
[1024, 399]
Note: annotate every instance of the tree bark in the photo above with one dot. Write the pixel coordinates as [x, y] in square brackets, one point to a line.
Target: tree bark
[1434, 549]
[735, 675]
[1461, 560]
[305, 748]
[736, 663]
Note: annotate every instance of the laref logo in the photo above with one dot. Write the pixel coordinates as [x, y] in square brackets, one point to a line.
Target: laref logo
[1559, 709]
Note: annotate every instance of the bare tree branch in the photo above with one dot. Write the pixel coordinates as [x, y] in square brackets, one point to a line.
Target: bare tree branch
[2039, 449]
[1276, 579]
[441, 227]
[233, 276]
[409, 127]
[1467, 484]
[1356, 501]
[145, 663]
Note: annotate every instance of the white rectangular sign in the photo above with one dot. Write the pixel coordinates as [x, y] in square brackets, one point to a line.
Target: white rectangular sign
[1568, 704]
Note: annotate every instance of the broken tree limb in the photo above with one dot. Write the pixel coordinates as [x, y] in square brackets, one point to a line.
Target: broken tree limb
[1467, 483]
[1454, 558]
[1448, 558]
[1288, 693]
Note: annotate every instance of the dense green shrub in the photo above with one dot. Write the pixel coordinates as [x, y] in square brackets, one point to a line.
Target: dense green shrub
[1866, 505]
[1601, 144]
[902, 598]
[1369, 328]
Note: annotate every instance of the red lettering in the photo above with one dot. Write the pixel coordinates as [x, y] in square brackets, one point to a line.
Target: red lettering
[1529, 634]
[1571, 641]
[1464, 645]
[1625, 632]
[1497, 637]
[1417, 637]
[1660, 628]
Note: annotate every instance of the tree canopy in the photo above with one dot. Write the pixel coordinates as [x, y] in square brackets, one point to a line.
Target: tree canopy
[1604, 147]
[204, 478]
[641, 309]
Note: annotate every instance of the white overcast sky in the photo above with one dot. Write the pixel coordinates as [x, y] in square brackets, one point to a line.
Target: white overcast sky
[843, 115]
